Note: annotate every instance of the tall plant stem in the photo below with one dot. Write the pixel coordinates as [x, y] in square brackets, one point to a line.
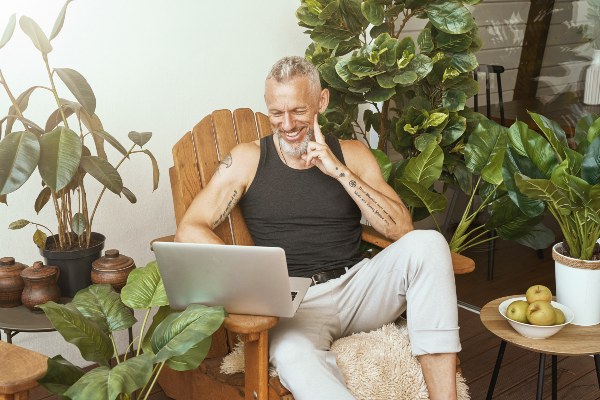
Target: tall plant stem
[407, 16]
[12, 98]
[54, 92]
[142, 332]
[154, 379]
[104, 188]
[57, 210]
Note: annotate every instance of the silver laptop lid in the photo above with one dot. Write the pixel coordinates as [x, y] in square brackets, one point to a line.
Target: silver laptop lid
[243, 279]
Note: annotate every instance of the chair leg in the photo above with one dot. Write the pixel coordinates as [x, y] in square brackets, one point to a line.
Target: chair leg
[256, 350]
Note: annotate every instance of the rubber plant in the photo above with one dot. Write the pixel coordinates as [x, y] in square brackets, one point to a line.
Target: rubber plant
[415, 92]
[61, 148]
[547, 172]
[178, 339]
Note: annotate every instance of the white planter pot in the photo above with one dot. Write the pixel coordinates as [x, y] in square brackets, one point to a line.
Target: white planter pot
[591, 94]
[578, 286]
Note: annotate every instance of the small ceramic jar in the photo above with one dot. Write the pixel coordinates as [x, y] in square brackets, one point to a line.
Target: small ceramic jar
[11, 283]
[112, 268]
[40, 285]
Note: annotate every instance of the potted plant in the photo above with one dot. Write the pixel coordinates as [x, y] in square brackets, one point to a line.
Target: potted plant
[416, 93]
[62, 150]
[591, 32]
[548, 172]
[179, 339]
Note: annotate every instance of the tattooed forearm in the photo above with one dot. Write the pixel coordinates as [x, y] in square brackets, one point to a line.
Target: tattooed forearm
[373, 205]
[232, 202]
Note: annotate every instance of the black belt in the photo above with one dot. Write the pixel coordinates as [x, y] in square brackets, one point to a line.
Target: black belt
[322, 277]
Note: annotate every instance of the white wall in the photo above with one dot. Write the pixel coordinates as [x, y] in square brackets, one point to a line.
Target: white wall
[154, 66]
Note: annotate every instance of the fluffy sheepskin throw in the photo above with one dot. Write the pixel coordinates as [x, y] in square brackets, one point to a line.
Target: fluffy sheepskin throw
[377, 365]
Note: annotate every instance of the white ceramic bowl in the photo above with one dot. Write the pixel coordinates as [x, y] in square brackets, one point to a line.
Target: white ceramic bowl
[536, 331]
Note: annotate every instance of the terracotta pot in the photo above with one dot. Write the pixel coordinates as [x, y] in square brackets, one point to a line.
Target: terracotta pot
[75, 265]
[11, 283]
[40, 285]
[113, 268]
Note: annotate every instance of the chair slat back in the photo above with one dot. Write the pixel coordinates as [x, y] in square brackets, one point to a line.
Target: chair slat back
[196, 157]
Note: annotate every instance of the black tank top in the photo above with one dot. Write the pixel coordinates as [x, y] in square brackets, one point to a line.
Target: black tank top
[305, 212]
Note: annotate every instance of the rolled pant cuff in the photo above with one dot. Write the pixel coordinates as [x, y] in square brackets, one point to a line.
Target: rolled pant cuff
[434, 341]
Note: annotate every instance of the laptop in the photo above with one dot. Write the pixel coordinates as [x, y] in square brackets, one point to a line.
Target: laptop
[243, 279]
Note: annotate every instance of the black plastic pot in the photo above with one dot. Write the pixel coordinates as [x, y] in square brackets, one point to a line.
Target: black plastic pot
[75, 265]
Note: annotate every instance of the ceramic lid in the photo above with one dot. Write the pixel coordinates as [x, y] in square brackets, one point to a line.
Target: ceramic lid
[112, 261]
[38, 271]
[8, 264]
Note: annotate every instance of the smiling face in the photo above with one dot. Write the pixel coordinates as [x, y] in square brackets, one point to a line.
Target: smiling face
[292, 105]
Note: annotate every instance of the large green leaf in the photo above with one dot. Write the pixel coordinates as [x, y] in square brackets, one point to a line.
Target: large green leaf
[42, 199]
[513, 163]
[104, 173]
[553, 132]
[539, 151]
[103, 305]
[538, 237]
[106, 383]
[80, 88]
[8, 31]
[464, 62]
[454, 100]
[329, 37]
[352, 15]
[192, 358]
[22, 103]
[380, 94]
[450, 17]
[144, 288]
[93, 344]
[19, 155]
[60, 375]
[373, 11]
[590, 167]
[385, 165]
[330, 75]
[162, 313]
[35, 33]
[593, 131]
[179, 332]
[417, 195]
[454, 129]
[425, 168]
[544, 190]
[452, 43]
[59, 158]
[484, 152]
[60, 19]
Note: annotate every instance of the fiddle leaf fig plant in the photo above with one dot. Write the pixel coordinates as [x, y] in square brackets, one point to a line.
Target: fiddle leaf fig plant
[415, 91]
[179, 339]
[61, 149]
[415, 88]
[548, 172]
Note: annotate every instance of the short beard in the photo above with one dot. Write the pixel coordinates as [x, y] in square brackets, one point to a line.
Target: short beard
[296, 150]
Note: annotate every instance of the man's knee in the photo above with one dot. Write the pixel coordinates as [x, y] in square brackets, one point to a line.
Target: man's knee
[427, 248]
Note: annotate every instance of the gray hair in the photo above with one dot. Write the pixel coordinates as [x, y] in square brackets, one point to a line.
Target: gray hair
[294, 66]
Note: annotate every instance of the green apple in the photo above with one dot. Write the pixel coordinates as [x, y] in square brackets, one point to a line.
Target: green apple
[541, 313]
[517, 311]
[559, 316]
[538, 293]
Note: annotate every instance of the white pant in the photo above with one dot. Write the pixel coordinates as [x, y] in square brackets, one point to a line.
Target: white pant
[413, 274]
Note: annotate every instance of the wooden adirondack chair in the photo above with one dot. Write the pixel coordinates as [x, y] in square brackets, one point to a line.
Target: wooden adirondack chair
[196, 156]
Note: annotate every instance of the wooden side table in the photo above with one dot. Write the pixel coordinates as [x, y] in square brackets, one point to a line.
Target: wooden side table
[19, 371]
[572, 340]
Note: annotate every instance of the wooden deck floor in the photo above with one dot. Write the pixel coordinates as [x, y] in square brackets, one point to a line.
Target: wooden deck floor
[516, 268]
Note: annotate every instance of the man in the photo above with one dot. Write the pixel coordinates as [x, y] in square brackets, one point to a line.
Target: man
[305, 193]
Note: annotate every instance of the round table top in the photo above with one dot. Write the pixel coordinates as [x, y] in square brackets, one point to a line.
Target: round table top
[21, 319]
[572, 340]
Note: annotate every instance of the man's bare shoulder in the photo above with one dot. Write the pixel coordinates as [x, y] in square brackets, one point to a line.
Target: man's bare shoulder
[353, 148]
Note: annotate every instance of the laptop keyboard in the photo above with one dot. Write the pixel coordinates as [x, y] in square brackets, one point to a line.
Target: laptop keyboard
[294, 294]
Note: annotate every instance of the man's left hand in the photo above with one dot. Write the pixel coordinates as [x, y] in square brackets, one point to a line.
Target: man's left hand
[320, 155]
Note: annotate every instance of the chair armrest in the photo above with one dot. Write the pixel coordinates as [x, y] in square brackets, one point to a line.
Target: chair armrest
[170, 238]
[249, 324]
[461, 264]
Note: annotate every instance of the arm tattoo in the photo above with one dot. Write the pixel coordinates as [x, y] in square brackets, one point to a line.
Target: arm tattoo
[378, 210]
[227, 161]
[232, 202]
